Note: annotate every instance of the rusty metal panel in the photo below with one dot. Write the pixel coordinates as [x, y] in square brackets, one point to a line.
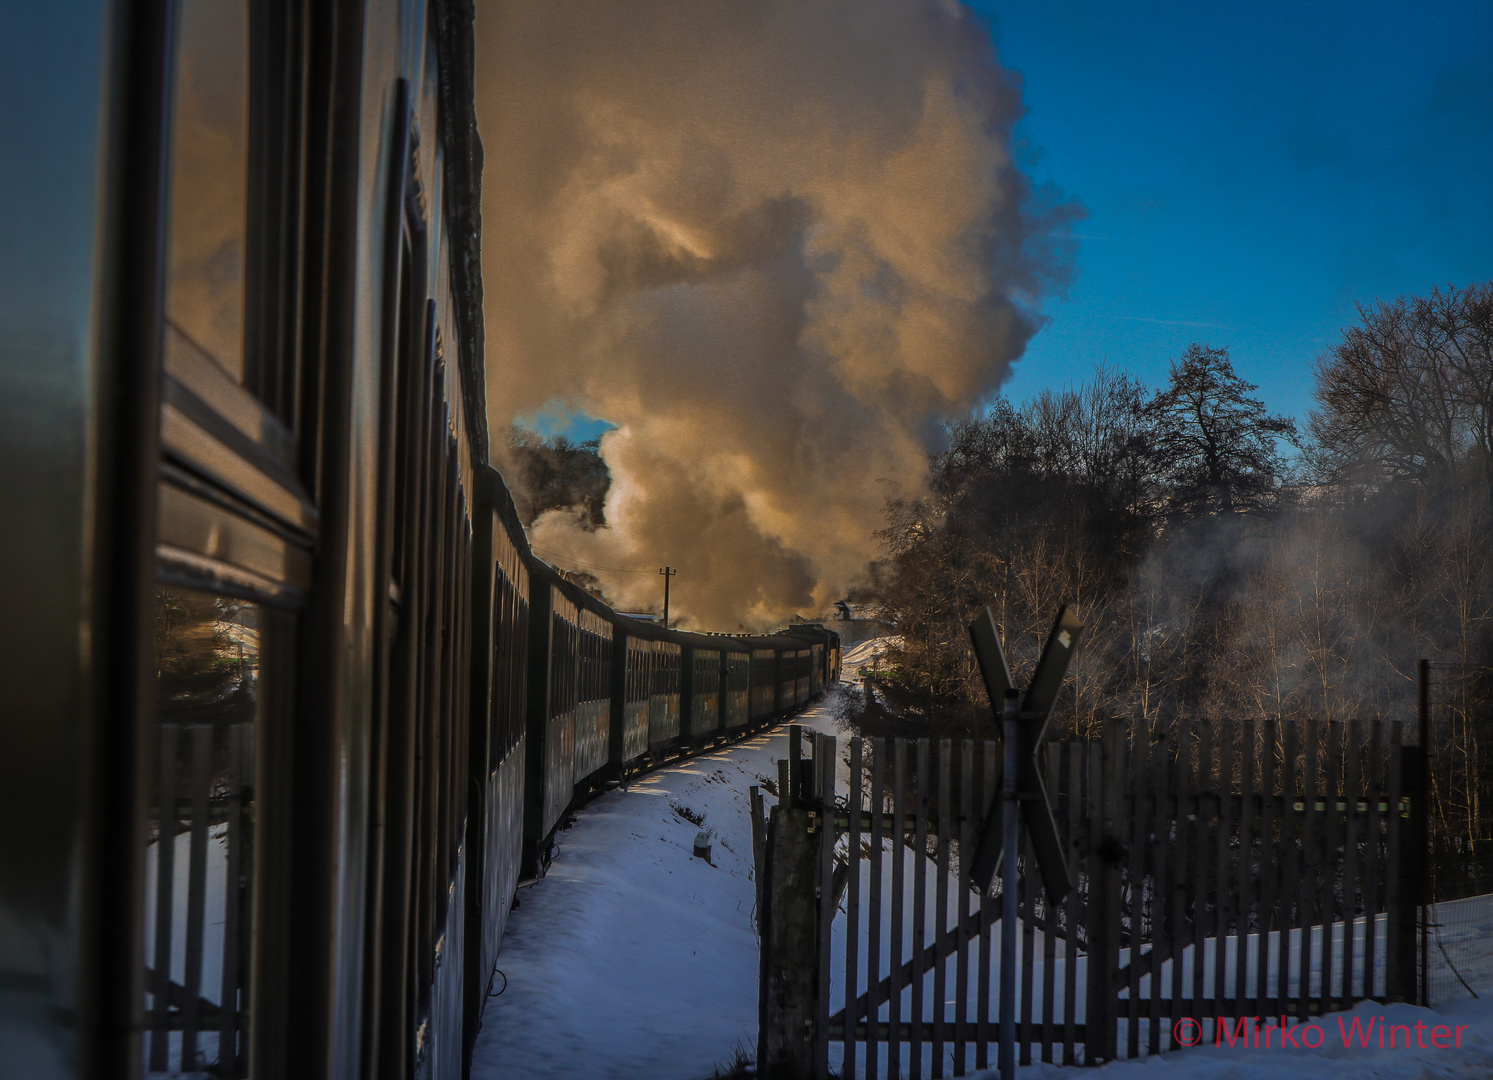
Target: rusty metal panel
[763, 685]
[635, 731]
[635, 705]
[786, 680]
[439, 1049]
[705, 713]
[594, 683]
[559, 776]
[735, 708]
[663, 705]
[591, 731]
[505, 837]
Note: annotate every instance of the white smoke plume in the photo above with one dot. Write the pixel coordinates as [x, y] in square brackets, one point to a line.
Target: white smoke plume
[773, 241]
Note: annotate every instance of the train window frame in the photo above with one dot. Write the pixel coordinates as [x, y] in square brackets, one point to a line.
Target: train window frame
[243, 435]
[233, 518]
[250, 952]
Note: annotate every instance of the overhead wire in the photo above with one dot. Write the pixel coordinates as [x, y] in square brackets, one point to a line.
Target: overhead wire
[589, 566]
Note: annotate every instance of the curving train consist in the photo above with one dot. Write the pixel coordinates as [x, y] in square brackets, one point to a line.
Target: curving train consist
[606, 695]
[290, 704]
[609, 694]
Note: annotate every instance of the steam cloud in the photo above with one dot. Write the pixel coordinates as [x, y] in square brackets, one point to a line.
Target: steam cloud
[773, 242]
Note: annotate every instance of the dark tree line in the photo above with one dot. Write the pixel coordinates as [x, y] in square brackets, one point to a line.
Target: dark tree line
[1221, 573]
[557, 474]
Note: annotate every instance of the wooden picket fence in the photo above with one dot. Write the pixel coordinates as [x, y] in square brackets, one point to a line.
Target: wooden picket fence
[1251, 870]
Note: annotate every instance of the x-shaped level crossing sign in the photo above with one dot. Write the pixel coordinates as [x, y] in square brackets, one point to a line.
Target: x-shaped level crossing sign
[1035, 708]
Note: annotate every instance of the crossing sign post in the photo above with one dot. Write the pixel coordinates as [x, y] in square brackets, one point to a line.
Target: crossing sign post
[1023, 795]
[1032, 715]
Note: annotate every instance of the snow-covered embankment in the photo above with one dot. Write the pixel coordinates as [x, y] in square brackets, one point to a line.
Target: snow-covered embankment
[631, 957]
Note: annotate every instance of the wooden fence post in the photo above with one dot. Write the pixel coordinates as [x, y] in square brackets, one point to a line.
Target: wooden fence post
[1411, 873]
[789, 977]
[1106, 852]
[759, 846]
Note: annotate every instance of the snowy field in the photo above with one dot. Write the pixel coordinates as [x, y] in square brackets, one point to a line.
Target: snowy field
[867, 653]
[634, 959]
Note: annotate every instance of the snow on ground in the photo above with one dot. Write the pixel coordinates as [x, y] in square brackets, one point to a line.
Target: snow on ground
[1455, 1039]
[1468, 1022]
[632, 958]
[1371, 1040]
[1461, 949]
[867, 653]
[1466, 943]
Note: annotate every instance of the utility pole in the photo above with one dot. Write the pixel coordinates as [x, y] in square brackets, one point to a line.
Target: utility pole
[667, 573]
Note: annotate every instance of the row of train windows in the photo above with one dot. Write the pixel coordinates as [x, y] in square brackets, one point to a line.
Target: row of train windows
[225, 665]
[562, 665]
[637, 683]
[582, 670]
[665, 679]
[595, 657]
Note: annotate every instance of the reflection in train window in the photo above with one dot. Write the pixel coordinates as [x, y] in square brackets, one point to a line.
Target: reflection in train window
[210, 182]
[200, 844]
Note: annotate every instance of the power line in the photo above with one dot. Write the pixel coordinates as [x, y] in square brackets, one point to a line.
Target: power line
[588, 566]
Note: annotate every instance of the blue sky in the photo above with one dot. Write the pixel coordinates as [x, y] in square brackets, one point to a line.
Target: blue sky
[558, 420]
[1250, 172]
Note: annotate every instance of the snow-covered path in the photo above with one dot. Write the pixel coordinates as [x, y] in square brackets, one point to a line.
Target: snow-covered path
[632, 958]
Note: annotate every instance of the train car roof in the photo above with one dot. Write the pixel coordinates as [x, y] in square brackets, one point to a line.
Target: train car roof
[493, 491]
[798, 637]
[539, 570]
[810, 632]
[462, 207]
[775, 641]
[689, 639]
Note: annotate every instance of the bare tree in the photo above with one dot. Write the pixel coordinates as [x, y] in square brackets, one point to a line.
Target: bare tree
[1027, 509]
[1408, 393]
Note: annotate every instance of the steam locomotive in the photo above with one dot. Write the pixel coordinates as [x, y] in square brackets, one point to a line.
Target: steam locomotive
[290, 704]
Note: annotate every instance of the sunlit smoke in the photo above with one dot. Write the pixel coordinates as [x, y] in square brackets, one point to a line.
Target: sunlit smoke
[773, 242]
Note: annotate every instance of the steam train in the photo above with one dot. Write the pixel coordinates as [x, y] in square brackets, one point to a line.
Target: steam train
[610, 694]
[290, 705]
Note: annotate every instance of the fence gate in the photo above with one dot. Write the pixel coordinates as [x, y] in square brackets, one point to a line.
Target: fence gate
[1224, 872]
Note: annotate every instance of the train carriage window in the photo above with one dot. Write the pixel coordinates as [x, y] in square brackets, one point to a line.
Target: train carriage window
[207, 267]
[202, 813]
[234, 205]
[235, 532]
